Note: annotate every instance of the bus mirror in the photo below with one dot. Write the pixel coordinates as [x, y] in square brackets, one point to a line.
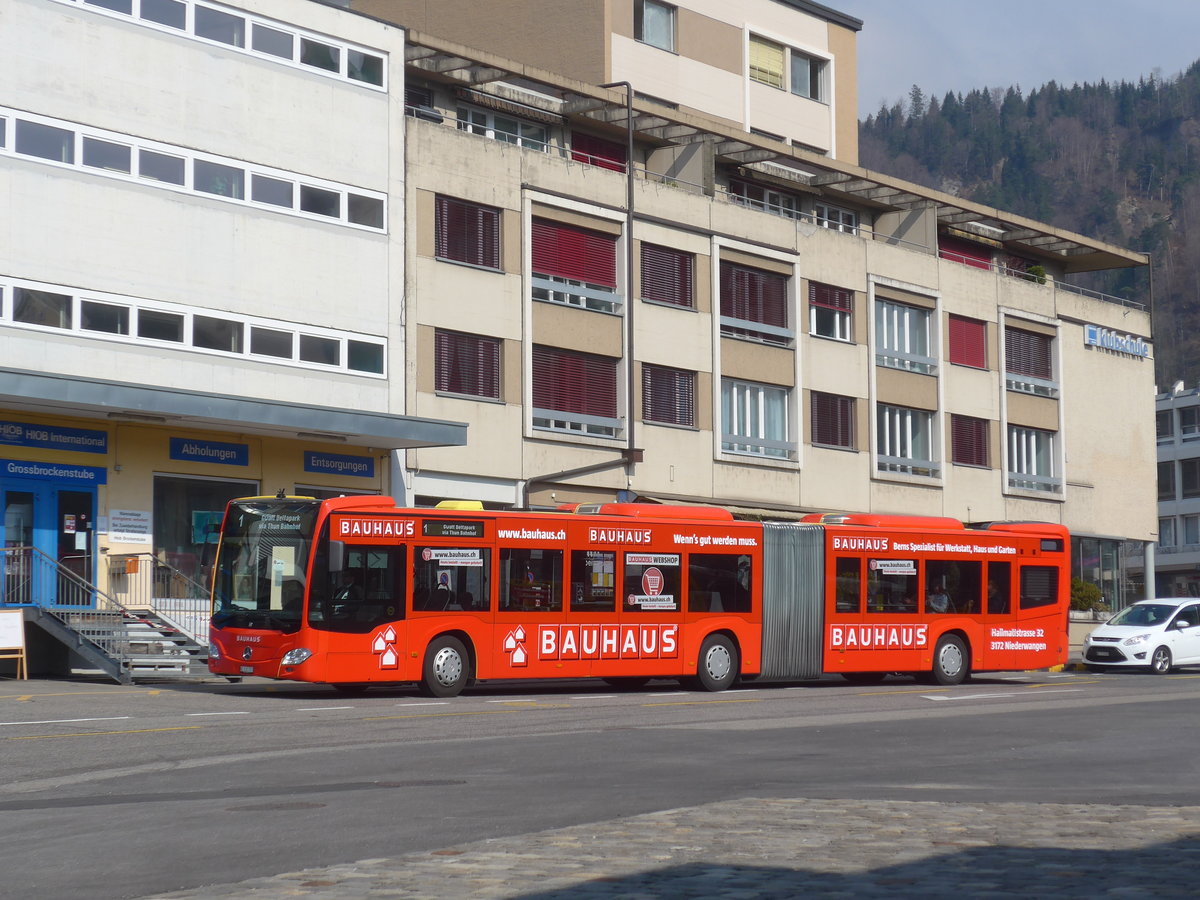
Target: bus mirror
[337, 556]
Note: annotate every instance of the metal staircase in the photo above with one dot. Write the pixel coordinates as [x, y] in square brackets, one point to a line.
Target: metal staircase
[125, 633]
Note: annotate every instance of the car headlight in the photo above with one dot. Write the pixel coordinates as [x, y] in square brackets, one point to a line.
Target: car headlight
[295, 657]
[1135, 640]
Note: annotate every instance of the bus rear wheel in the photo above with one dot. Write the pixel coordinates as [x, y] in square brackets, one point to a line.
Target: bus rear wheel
[951, 663]
[447, 668]
[717, 667]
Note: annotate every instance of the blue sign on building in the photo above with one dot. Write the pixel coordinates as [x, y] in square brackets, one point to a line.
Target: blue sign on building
[53, 437]
[339, 464]
[210, 452]
[1095, 336]
[23, 468]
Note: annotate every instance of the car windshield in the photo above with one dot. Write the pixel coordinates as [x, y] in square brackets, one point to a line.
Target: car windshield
[1142, 614]
[261, 564]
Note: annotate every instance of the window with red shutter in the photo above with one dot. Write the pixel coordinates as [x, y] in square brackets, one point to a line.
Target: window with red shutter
[574, 391]
[833, 420]
[667, 275]
[968, 342]
[575, 266]
[466, 232]
[755, 296]
[830, 311]
[596, 151]
[668, 395]
[466, 364]
[1029, 362]
[968, 253]
[969, 441]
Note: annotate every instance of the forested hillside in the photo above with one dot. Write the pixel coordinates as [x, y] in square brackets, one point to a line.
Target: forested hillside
[1119, 162]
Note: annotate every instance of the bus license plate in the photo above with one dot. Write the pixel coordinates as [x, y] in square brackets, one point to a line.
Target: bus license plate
[247, 670]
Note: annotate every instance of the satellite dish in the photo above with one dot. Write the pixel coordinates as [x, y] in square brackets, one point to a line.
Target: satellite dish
[1177, 387]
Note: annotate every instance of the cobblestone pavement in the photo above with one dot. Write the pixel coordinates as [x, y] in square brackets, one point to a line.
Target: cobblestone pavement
[781, 848]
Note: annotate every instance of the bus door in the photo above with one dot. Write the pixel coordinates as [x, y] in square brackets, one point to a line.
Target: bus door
[532, 638]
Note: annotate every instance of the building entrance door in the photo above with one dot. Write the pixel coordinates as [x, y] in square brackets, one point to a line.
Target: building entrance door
[46, 521]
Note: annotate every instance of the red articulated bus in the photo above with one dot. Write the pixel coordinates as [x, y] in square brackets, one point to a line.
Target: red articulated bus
[355, 591]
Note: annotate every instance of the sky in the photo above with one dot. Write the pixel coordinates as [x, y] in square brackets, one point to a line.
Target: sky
[959, 45]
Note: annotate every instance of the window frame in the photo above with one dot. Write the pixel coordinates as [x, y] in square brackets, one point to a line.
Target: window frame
[967, 341]
[574, 266]
[467, 233]
[668, 396]
[834, 416]
[667, 275]
[902, 434]
[756, 420]
[639, 24]
[1029, 364]
[1167, 480]
[477, 359]
[754, 304]
[902, 330]
[1032, 460]
[970, 441]
[574, 392]
[830, 312]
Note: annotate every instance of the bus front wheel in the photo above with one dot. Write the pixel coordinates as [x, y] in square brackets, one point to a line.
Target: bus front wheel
[447, 668]
[951, 663]
[717, 667]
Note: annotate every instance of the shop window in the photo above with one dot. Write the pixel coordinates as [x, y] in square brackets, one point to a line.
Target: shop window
[187, 515]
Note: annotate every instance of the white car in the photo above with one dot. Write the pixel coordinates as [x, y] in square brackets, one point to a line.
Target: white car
[1154, 634]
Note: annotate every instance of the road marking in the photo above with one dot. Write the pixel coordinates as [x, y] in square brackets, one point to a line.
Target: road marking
[42, 737]
[231, 713]
[425, 703]
[701, 702]
[62, 721]
[885, 693]
[992, 696]
[321, 708]
[473, 712]
[595, 697]
[511, 701]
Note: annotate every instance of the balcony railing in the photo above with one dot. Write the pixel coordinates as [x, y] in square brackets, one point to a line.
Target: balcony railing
[598, 298]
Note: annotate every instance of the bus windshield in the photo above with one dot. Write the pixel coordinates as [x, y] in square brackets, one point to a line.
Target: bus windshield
[261, 564]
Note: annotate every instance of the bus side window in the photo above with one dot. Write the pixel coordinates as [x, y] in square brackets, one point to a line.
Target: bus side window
[450, 579]
[719, 582]
[1039, 586]
[652, 582]
[368, 591]
[999, 575]
[848, 585]
[531, 580]
[593, 580]
[953, 586]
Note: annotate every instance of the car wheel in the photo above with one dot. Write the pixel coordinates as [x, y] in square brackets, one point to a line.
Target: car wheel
[717, 667]
[1160, 661]
[951, 664]
[446, 670]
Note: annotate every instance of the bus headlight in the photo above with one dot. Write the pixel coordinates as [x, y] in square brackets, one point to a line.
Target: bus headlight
[295, 657]
[214, 651]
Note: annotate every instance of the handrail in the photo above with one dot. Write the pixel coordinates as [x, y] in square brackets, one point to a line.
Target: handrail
[145, 581]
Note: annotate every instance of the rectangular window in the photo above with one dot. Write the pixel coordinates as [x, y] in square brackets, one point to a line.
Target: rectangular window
[968, 342]
[364, 67]
[575, 392]
[105, 317]
[1039, 586]
[1166, 480]
[451, 579]
[1029, 362]
[668, 395]
[366, 211]
[98, 154]
[183, 508]
[160, 167]
[1164, 429]
[43, 308]
[575, 266]
[45, 142]
[902, 335]
[159, 326]
[1166, 531]
[905, 441]
[766, 61]
[502, 128]
[319, 55]
[835, 218]
[271, 342]
[848, 592]
[596, 151]
[667, 275]
[1189, 478]
[466, 364]
[754, 304]
[654, 24]
[216, 178]
[466, 232]
[833, 420]
[652, 586]
[1031, 464]
[1189, 423]
[320, 201]
[273, 42]
[121, 6]
[172, 13]
[364, 356]
[830, 311]
[1191, 530]
[754, 419]
[969, 441]
[757, 196]
[808, 76]
[720, 582]
[219, 26]
[953, 586]
[210, 333]
[531, 580]
[321, 350]
[593, 580]
[272, 190]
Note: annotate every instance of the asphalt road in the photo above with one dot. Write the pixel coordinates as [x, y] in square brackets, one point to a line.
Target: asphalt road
[112, 791]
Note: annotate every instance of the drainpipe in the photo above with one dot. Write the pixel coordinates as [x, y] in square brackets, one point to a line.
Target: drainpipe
[627, 459]
[630, 444]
